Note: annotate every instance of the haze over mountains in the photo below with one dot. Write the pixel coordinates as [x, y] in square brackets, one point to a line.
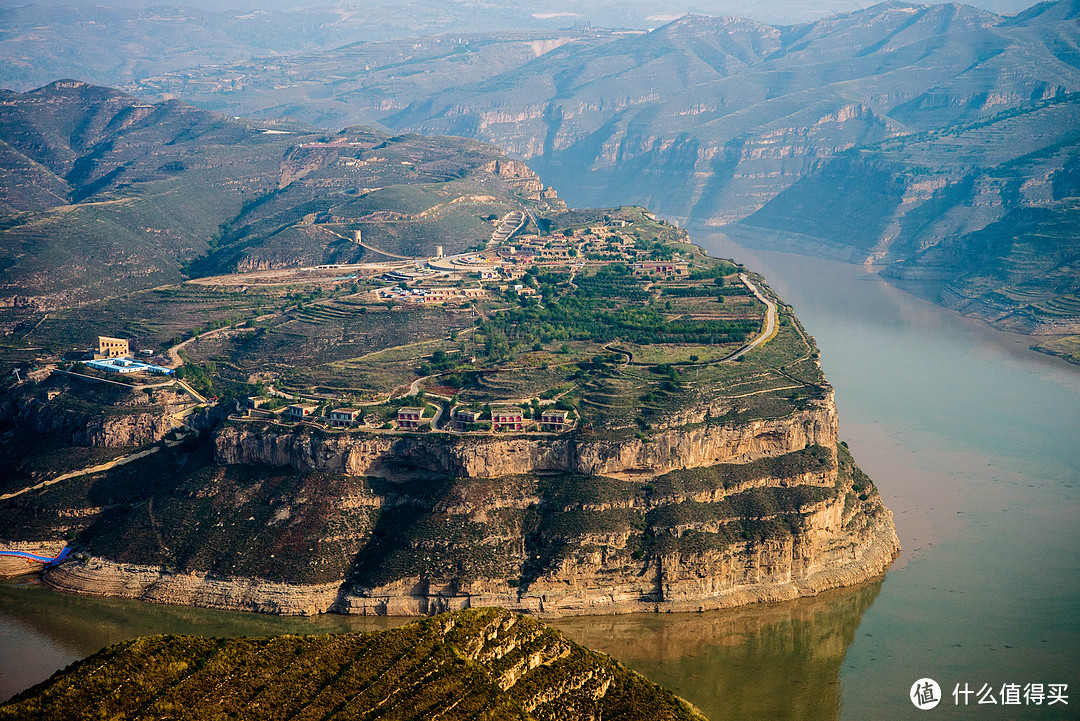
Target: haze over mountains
[114, 42]
[935, 139]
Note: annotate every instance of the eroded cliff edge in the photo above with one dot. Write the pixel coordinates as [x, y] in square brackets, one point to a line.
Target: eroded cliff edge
[301, 521]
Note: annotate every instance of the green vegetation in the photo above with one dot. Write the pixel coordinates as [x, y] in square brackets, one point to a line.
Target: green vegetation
[585, 313]
[134, 213]
[1067, 348]
[477, 664]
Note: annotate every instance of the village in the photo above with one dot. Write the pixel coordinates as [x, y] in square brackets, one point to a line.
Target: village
[443, 279]
[502, 267]
[510, 270]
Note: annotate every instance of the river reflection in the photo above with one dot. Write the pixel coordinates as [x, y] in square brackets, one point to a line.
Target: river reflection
[770, 661]
[776, 661]
[42, 631]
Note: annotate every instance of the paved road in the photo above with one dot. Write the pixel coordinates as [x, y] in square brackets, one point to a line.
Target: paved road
[770, 321]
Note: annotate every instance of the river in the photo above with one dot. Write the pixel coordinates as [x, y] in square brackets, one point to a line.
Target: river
[974, 442]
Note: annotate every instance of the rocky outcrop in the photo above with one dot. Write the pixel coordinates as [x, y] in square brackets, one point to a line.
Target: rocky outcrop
[696, 538]
[841, 544]
[523, 179]
[135, 428]
[100, 577]
[703, 444]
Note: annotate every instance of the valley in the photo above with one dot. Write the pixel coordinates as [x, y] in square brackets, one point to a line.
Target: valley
[948, 125]
[469, 331]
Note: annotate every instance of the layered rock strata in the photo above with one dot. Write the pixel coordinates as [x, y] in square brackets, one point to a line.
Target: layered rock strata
[704, 517]
[489, 457]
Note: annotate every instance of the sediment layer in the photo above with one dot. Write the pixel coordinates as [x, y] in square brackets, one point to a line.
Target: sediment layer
[782, 518]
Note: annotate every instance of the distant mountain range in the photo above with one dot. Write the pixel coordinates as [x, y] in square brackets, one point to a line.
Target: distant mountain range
[936, 140]
[117, 41]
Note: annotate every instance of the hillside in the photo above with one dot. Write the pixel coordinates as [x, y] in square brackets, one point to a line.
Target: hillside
[117, 42]
[988, 209]
[483, 664]
[104, 194]
[746, 108]
[615, 423]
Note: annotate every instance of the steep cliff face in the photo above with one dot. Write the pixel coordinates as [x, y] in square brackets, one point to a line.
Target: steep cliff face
[769, 538]
[134, 429]
[707, 516]
[989, 209]
[703, 444]
[60, 410]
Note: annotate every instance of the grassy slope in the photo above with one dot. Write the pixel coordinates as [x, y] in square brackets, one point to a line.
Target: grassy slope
[478, 664]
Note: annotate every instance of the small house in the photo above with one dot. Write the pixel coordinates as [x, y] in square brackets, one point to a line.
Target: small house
[463, 417]
[507, 419]
[667, 268]
[343, 417]
[553, 421]
[409, 418]
[112, 347]
[300, 411]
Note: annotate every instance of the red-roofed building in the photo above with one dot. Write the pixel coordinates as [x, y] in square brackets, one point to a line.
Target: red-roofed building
[409, 418]
[507, 419]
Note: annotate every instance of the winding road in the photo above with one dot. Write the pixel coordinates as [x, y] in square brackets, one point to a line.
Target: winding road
[770, 321]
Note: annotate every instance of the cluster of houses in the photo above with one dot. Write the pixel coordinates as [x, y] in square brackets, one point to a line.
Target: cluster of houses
[599, 239]
[429, 295]
[666, 268]
[511, 419]
[410, 418]
[338, 418]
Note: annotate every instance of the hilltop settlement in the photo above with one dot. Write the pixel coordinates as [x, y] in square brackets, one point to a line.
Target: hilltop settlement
[402, 377]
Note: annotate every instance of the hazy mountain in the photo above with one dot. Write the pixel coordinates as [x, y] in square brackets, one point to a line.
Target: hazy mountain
[705, 118]
[934, 138]
[123, 40]
[719, 120]
[991, 207]
[709, 118]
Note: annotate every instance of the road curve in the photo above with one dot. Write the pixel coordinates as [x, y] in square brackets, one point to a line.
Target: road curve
[770, 320]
